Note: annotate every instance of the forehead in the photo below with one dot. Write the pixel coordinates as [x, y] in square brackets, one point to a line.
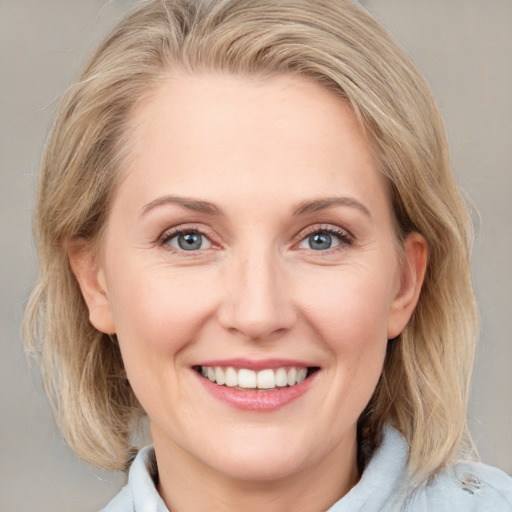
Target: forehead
[283, 135]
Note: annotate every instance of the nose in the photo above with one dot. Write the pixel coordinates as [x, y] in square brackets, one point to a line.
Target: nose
[257, 301]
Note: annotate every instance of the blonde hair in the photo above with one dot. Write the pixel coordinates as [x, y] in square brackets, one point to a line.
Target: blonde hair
[423, 390]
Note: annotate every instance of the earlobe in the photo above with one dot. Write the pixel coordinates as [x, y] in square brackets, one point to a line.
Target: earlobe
[91, 279]
[412, 276]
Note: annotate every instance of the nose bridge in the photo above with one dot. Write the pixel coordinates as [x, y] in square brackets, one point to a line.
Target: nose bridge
[257, 302]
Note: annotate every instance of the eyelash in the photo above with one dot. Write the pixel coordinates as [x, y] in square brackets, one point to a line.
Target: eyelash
[343, 236]
[167, 236]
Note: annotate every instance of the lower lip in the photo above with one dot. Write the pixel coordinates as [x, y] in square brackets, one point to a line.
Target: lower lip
[261, 400]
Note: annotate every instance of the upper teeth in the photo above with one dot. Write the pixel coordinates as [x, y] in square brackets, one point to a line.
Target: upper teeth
[263, 379]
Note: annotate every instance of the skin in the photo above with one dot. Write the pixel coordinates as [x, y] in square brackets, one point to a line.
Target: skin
[256, 150]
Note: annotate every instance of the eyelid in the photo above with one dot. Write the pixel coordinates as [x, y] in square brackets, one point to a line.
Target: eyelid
[205, 231]
[345, 237]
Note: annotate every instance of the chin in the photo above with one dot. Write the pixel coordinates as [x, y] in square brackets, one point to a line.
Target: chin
[258, 468]
[266, 460]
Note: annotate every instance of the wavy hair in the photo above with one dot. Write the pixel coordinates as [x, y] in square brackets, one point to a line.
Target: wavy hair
[423, 390]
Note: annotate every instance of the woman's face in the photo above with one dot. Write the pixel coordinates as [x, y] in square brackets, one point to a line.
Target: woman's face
[251, 239]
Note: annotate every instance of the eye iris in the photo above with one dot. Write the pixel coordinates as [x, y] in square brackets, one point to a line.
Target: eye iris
[190, 241]
[320, 241]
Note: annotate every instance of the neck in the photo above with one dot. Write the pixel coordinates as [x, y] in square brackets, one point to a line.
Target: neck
[186, 484]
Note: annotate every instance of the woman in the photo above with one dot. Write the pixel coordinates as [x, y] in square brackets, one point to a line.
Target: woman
[249, 232]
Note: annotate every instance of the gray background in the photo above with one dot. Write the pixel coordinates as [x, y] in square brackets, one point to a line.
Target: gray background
[465, 49]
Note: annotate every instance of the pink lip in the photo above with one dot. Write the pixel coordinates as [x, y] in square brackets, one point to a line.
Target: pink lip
[255, 365]
[260, 400]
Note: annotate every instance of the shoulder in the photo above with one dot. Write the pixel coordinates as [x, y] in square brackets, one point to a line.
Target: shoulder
[466, 487]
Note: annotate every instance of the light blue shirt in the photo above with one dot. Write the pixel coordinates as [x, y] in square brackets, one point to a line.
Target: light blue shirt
[383, 487]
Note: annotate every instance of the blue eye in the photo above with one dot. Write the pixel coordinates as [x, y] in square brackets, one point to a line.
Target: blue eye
[324, 239]
[320, 241]
[189, 241]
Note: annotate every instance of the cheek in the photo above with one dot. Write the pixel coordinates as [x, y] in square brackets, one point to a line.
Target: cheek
[348, 315]
[349, 306]
[159, 312]
[157, 315]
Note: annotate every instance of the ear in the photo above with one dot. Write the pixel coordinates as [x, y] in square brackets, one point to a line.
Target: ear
[412, 276]
[86, 267]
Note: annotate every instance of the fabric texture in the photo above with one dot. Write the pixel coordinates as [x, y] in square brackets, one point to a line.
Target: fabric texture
[383, 487]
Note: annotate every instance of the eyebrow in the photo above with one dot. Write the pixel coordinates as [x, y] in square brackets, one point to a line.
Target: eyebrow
[320, 204]
[302, 208]
[186, 202]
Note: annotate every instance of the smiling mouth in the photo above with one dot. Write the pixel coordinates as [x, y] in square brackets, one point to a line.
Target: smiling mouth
[245, 379]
